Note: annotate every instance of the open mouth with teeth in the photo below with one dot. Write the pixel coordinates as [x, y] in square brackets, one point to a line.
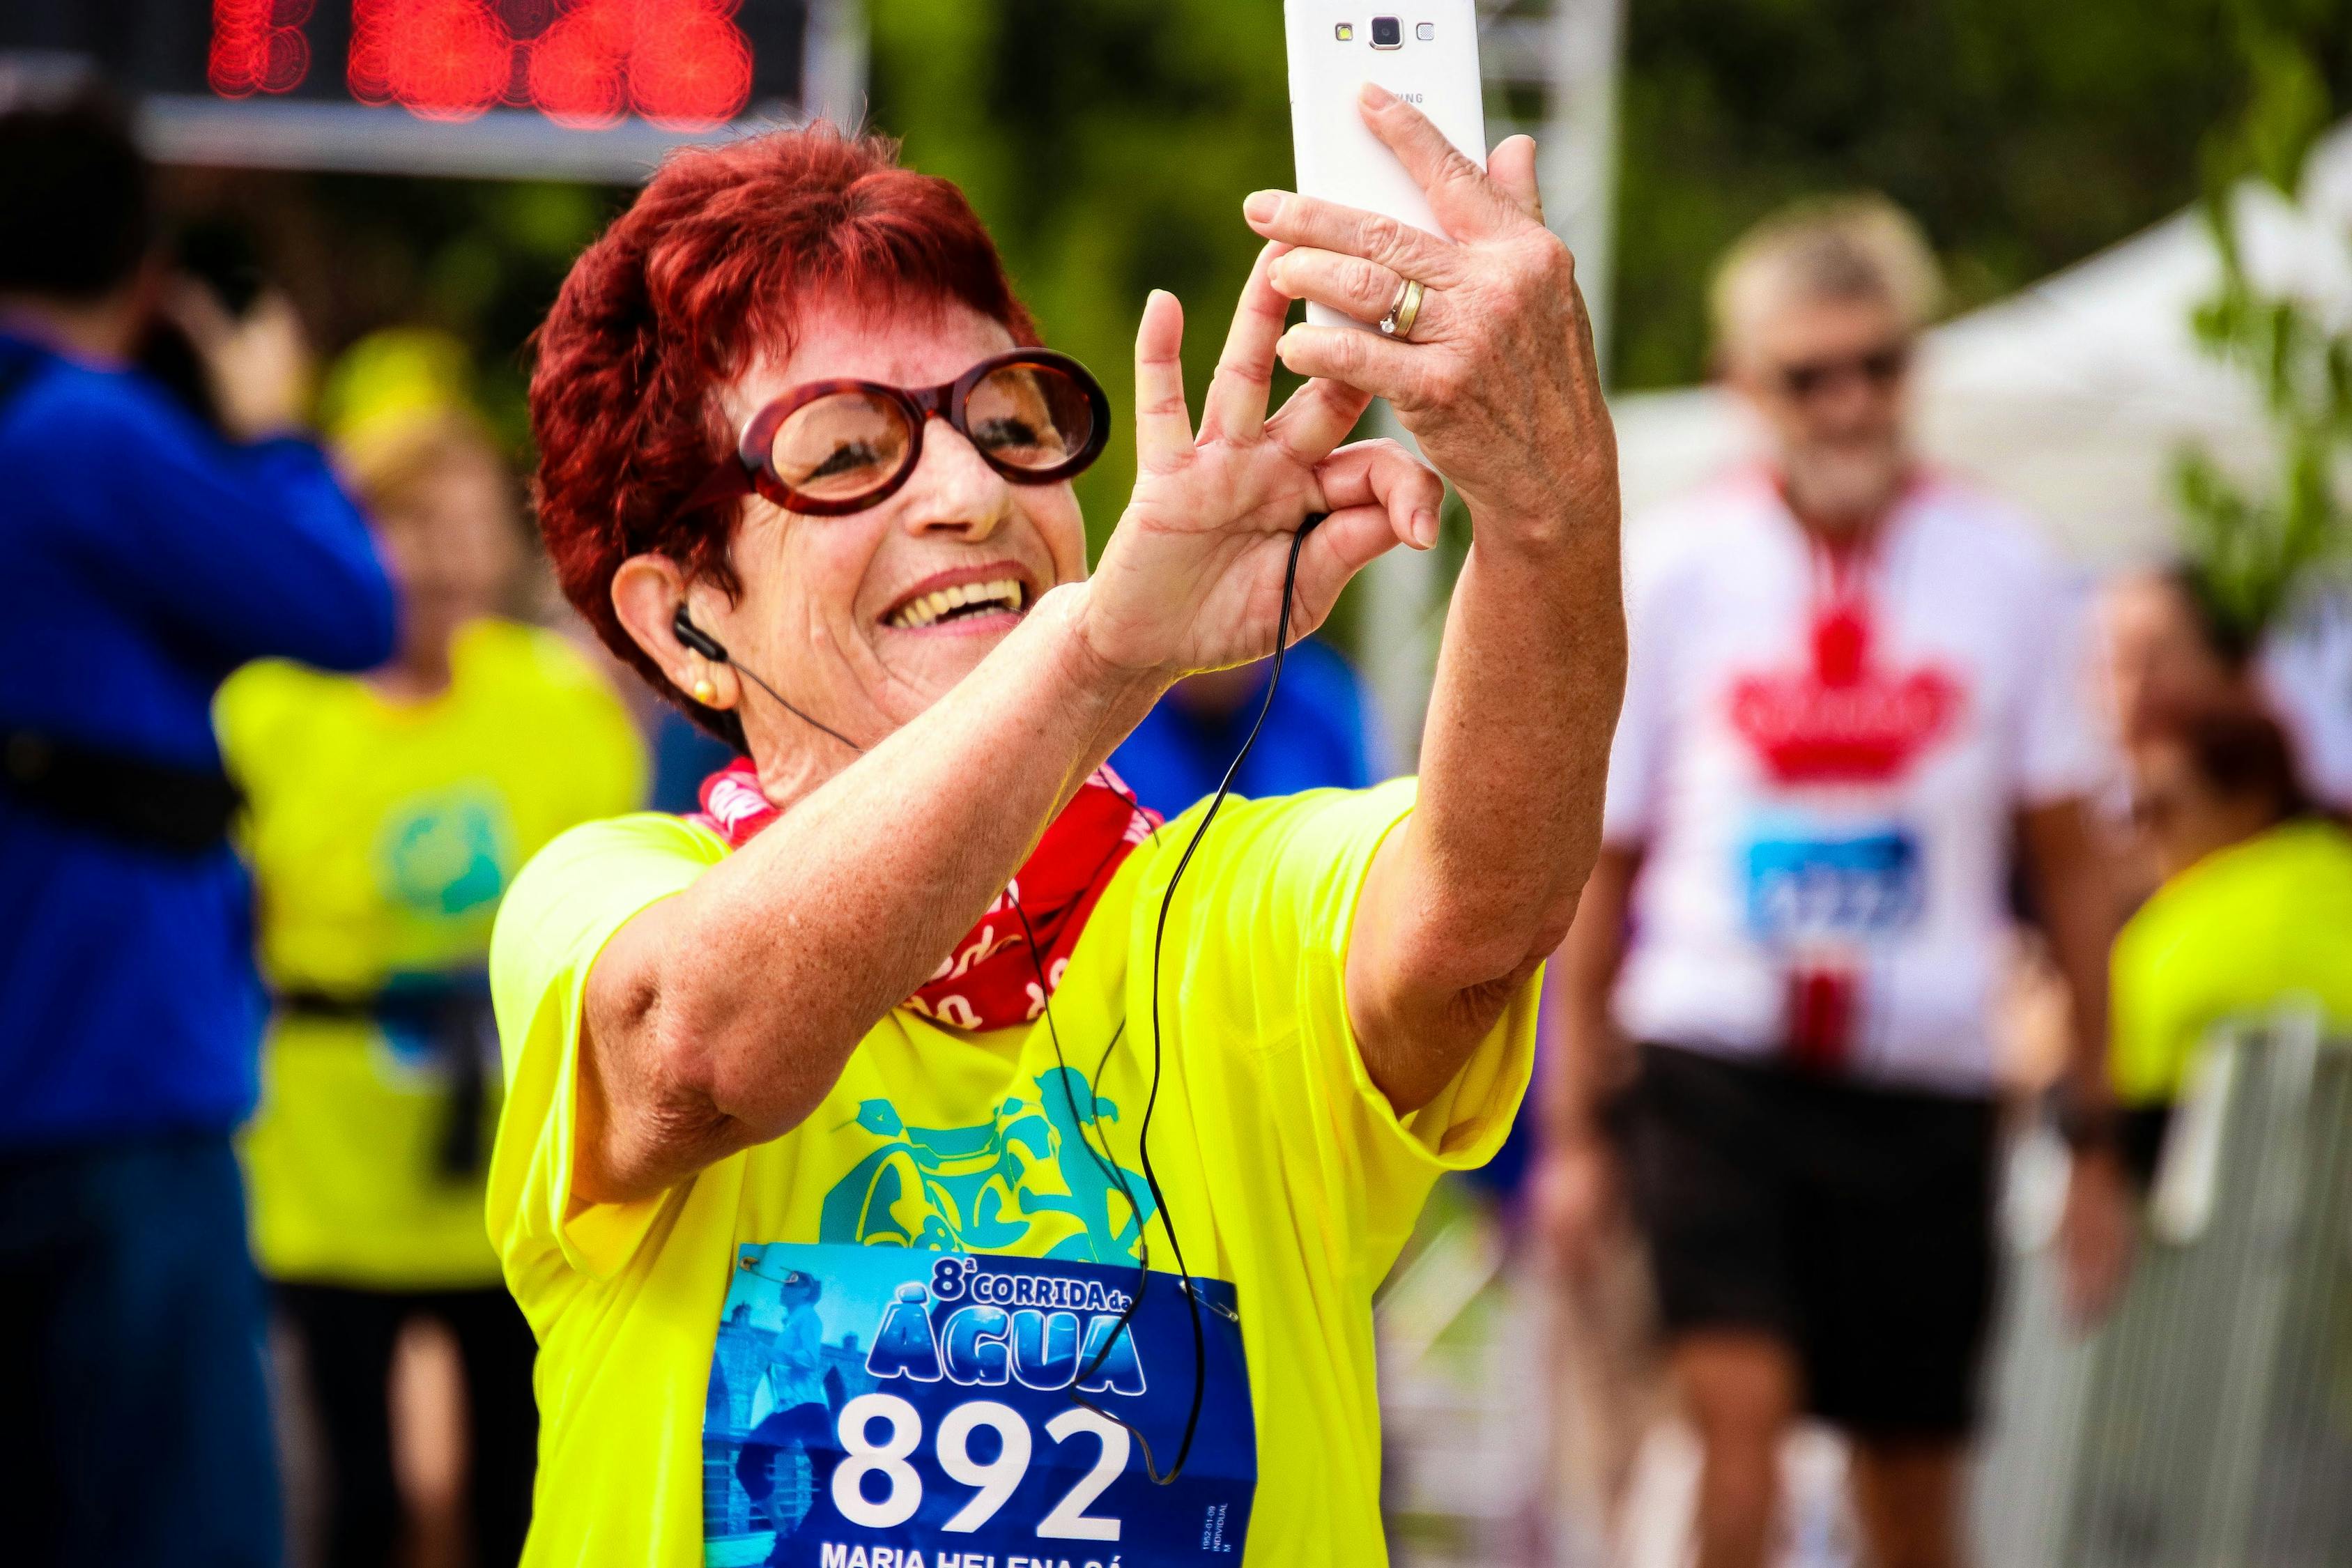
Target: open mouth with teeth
[963, 602]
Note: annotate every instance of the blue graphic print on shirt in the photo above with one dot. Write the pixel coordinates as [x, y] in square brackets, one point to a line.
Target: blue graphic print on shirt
[991, 1187]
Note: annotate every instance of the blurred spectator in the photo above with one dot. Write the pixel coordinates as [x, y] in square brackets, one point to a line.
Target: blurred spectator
[167, 356]
[2255, 908]
[146, 559]
[2168, 653]
[1853, 685]
[1315, 734]
[387, 813]
[2164, 649]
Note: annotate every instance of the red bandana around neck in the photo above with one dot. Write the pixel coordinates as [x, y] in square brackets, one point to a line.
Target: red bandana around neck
[990, 979]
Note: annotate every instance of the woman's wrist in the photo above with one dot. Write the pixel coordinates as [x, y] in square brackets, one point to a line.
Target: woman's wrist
[1544, 522]
[1124, 691]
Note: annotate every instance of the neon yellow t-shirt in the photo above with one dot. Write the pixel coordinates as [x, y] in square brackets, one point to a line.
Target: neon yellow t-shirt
[2232, 938]
[381, 837]
[938, 1158]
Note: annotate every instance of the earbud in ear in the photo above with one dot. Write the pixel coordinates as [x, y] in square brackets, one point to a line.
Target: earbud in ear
[682, 628]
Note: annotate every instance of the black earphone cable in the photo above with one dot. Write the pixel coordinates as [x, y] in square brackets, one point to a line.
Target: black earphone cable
[682, 626]
[796, 712]
[1151, 1101]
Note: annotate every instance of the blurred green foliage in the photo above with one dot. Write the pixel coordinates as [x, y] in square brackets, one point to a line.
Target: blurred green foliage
[2025, 134]
[2252, 547]
[1109, 143]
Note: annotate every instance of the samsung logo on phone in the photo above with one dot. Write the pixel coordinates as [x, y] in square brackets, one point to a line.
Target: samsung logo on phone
[1415, 97]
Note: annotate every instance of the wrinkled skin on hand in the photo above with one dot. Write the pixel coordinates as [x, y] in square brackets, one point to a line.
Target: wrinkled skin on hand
[1191, 580]
[1499, 383]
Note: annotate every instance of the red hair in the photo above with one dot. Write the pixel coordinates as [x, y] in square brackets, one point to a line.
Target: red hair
[710, 267]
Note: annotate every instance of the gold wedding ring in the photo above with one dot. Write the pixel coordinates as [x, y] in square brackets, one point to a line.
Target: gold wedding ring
[1405, 310]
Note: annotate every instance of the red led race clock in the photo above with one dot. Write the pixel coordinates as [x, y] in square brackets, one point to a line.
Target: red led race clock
[684, 63]
[333, 83]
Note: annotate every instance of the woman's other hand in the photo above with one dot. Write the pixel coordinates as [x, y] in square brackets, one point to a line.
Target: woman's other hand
[1193, 578]
[1497, 380]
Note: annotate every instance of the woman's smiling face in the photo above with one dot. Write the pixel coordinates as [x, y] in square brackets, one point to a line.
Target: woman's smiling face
[865, 620]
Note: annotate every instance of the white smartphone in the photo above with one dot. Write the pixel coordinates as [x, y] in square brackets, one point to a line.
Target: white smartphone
[1425, 51]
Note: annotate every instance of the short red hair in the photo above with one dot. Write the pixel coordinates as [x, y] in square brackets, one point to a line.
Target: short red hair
[709, 266]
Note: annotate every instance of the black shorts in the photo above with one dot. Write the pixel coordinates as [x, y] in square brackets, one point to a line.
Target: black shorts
[1854, 1222]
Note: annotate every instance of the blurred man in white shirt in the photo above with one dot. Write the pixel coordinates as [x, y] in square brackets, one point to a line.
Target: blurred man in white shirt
[1855, 687]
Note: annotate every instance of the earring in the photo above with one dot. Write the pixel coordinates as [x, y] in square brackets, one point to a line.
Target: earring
[704, 692]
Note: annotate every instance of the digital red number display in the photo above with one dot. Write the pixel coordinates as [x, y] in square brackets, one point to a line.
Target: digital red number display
[682, 64]
[258, 46]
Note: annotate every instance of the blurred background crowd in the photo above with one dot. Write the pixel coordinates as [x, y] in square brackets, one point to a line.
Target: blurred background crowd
[1983, 381]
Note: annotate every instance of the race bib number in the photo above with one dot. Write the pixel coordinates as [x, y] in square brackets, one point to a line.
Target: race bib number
[878, 1407]
[1811, 886]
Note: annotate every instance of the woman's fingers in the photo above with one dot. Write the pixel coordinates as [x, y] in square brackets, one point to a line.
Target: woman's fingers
[1163, 425]
[1469, 204]
[1379, 366]
[1383, 474]
[1512, 167]
[1376, 496]
[1235, 409]
[1308, 222]
[1343, 543]
[1355, 286]
[1317, 418]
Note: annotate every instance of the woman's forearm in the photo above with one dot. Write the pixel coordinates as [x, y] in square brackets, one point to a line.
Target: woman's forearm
[719, 1018]
[1483, 882]
[1516, 754]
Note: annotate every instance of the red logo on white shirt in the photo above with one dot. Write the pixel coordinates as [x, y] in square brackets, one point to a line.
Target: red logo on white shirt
[1845, 720]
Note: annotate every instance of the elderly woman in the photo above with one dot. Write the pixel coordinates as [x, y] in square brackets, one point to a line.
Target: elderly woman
[1093, 1133]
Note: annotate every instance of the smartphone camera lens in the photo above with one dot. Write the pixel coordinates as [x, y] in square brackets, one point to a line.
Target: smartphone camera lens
[1388, 33]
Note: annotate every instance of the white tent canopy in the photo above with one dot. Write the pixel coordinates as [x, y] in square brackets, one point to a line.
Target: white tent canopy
[2072, 396]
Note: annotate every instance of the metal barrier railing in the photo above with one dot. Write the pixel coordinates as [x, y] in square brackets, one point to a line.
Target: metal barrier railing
[2208, 1423]
[1462, 1423]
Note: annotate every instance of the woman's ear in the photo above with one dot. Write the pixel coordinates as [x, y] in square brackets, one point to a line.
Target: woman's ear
[647, 593]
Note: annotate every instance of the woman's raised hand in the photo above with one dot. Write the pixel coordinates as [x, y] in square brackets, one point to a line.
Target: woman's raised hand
[1192, 577]
[1497, 381]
